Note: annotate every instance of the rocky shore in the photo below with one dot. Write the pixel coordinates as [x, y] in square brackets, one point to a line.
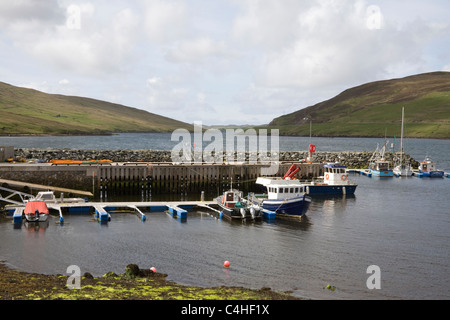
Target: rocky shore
[134, 284]
[349, 158]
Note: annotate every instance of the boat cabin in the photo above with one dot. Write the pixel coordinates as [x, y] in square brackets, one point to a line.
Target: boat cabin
[427, 165]
[334, 173]
[232, 199]
[47, 196]
[277, 188]
[379, 165]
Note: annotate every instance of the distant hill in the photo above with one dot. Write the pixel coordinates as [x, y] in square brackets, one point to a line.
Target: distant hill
[374, 109]
[28, 111]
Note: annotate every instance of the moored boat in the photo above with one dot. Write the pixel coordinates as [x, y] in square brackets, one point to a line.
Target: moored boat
[285, 197]
[378, 165]
[49, 197]
[36, 211]
[234, 206]
[427, 168]
[334, 181]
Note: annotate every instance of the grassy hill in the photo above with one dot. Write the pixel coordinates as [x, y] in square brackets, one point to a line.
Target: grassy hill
[375, 108]
[28, 111]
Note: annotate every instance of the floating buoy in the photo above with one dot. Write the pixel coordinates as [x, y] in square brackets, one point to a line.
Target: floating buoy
[330, 287]
[226, 264]
[153, 269]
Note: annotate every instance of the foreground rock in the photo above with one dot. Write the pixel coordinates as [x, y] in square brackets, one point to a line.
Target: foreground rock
[144, 285]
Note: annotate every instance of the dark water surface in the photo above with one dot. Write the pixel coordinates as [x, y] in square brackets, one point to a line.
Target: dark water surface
[398, 224]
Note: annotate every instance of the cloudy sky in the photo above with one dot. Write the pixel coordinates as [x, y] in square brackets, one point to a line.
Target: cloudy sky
[218, 61]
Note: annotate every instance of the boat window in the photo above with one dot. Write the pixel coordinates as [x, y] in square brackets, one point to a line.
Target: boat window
[301, 189]
[296, 190]
[291, 190]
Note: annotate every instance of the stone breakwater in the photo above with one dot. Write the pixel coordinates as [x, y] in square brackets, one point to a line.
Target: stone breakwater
[351, 159]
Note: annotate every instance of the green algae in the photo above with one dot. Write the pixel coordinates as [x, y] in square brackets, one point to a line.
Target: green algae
[16, 285]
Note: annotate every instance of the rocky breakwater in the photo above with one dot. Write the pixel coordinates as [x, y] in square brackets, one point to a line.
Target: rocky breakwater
[46, 155]
[351, 159]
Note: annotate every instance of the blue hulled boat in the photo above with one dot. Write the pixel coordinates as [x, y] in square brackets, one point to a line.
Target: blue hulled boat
[285, 197]
[427, 168]
[378, 166]
[334, 181]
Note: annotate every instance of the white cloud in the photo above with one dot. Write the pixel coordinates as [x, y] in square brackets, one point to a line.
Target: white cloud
[164, 20]
[196, 50]
[331, 46]
[225, 61]
[30, 10]
[91, 49]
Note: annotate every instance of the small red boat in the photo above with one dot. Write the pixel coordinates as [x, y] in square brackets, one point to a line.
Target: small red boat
[36, 211]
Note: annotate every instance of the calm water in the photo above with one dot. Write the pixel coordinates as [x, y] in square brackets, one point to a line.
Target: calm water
[398, 224]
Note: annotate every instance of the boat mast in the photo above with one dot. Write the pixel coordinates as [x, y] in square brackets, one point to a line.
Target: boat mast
[401, 139]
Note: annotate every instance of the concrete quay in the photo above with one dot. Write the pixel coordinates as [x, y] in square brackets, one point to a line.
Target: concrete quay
[160, 177]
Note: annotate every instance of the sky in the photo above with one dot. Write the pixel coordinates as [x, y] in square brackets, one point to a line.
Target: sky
[218, 62]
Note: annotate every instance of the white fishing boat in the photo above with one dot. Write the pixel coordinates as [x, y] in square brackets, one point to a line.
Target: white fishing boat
[285, 196]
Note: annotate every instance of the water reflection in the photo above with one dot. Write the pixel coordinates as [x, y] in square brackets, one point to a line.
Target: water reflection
[39, 226]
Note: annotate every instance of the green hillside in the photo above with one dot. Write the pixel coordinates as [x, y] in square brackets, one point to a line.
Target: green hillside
[28, 111]
[374, 109]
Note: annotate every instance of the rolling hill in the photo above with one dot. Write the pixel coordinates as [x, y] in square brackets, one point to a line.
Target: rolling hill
[28, 111]
[374, 109]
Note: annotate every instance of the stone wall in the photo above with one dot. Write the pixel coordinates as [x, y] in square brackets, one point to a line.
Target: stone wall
[348, 158]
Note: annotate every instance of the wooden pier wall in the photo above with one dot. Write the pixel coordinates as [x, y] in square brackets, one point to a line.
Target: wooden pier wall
[159, 177]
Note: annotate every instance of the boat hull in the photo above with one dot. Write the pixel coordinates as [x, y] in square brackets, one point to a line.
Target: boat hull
[330, 189]
[290, 207]
[382, 173]
[432, 174]
[33, 218]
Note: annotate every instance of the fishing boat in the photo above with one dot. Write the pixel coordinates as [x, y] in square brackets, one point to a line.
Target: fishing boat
[427, 168]
[334, 181]
[234, 206]
[36, 211]
[378, 165]
[285, 196]
[402, 169]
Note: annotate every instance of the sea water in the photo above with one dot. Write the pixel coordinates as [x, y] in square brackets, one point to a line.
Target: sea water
[397, 224]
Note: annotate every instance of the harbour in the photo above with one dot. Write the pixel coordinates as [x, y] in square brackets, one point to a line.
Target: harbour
[384, 223]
